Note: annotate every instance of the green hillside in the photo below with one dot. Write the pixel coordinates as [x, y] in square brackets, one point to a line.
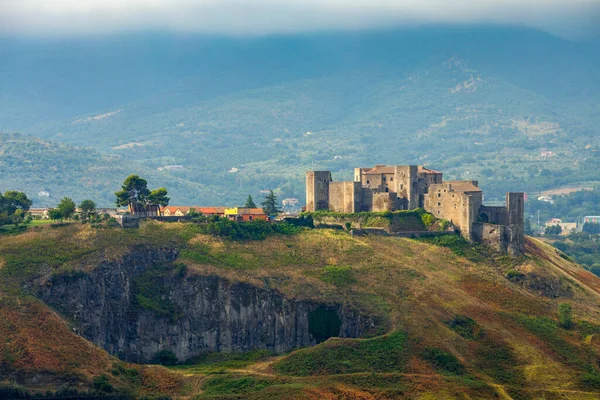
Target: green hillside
[33, 165]
[449, 320]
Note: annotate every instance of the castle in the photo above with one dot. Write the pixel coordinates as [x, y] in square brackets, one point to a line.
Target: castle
[406, 187]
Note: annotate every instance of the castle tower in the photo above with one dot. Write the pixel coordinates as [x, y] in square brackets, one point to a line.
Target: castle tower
[515, 205]
[407, 185]
[317, 190]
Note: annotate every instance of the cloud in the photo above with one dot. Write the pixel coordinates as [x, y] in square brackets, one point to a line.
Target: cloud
[257, 17]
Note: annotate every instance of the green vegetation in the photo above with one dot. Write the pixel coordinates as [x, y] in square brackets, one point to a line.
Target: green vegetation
[445, 362]
[217, 363]
[413, 220]
[13, 207]
[338, 276]
[270, 205]
[583, 248]
[135, 194]
[465, 327]
[459, 246]
[151, 295]
[250, 202]
[250, 230]
[343, 356]
[238, 385]
[565, 316]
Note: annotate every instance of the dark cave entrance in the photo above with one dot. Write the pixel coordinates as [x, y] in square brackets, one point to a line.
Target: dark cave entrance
[324, 323]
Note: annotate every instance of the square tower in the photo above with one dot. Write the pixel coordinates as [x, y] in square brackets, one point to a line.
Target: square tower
[317, 190]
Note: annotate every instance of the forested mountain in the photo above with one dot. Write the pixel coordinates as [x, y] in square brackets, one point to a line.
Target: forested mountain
[515, 108]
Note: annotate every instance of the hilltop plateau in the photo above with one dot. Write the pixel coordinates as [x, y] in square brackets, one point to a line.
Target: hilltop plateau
[86, 307]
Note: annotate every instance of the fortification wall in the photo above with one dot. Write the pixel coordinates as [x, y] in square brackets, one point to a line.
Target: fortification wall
[345, 196]
[502, 238]
[384, 201]
[493, 215]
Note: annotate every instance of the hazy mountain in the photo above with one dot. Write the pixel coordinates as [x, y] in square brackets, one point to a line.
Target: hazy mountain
[476, 102]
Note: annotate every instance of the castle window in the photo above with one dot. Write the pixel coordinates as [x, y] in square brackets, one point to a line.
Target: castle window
[438, 212]
[325, 180]
[439, 195]
[401, 187]
[439, 204]
[387, 190]
[384, 178]
[250, 217]
[452, 195]
[392, 179]
[367, 181]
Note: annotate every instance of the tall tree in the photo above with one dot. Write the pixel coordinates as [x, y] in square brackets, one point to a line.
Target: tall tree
[88, 207]
[250, 202]
[270, 204]
[13, 201]
[133, 192]
[66, 207]
[158, 197]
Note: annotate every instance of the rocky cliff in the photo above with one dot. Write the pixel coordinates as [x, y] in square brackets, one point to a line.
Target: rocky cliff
[146, 303]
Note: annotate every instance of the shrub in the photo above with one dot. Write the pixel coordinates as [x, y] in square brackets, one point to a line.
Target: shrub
[102, 384]
[164, 357]
[427, 219]
[514, 275]
[565, 315]
[443, 361]
[465, 327]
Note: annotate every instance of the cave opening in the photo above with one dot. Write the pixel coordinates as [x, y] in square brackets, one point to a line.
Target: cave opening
[323, 323]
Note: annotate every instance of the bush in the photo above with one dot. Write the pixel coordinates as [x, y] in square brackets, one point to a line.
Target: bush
[427, 219]
[465, 327]
[252, 230]
[565, 315]
[102, 384]
[443, 361]
[164, 357]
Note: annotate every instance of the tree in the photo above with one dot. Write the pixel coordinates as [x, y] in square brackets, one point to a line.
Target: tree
[88, 207]
[565, 317]
[55, 215]
[158, 197]
[66, 207]
[13, 207]
[250, 202]
[553, 230]
[270, 204]
[591, 228]
[135, 194]
[13, 201]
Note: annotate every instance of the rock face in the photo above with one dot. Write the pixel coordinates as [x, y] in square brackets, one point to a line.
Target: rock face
[186, 314]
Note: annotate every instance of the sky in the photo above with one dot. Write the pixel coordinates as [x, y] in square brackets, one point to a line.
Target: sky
[566, 18]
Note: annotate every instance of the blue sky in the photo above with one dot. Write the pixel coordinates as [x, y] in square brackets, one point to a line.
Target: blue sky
[572, 18]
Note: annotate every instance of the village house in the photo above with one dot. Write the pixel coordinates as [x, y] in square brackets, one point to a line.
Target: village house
[180, 211]
[246, 214]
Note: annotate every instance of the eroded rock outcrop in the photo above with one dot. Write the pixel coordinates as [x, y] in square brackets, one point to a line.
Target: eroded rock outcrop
[144, 304]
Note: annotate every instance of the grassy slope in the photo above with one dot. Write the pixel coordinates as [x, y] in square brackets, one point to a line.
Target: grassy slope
[513, 346]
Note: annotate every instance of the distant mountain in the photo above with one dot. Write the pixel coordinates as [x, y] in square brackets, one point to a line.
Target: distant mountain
[514, 108]
[48, 171]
